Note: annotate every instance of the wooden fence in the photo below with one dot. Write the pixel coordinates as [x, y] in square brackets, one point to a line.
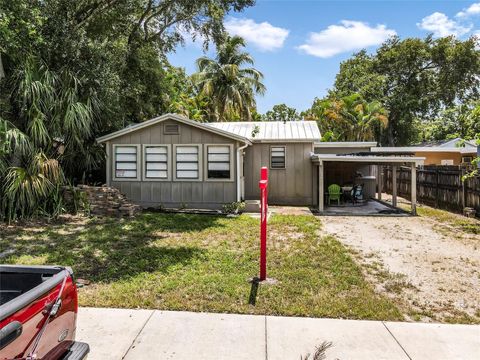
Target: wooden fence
[437, 186]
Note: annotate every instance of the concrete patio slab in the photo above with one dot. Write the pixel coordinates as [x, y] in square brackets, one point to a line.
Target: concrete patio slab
[290, 338]
[184, 335]
[437, 341]
[110, 332]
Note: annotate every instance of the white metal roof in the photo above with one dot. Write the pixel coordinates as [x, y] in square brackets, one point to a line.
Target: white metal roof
[413, 149]
[276, 131]
[176, 117]
[369, 159]
[345, 144]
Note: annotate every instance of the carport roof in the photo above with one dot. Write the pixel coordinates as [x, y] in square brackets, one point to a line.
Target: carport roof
[367, 159]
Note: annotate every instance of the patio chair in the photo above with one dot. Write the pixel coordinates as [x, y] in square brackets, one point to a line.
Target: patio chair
[334, 192]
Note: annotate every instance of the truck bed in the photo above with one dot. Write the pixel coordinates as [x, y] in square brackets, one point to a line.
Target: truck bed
[25, 284]
[27, 295]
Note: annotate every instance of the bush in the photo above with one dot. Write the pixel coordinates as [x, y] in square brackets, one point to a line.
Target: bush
[233, 208]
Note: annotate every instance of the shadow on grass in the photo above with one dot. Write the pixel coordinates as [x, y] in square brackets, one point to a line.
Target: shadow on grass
[109, 249]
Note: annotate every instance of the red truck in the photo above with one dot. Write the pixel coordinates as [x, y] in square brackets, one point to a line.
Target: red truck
[38, 314]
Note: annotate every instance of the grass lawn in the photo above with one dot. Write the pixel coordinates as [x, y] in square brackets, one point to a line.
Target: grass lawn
[202, 263]
[450, 221]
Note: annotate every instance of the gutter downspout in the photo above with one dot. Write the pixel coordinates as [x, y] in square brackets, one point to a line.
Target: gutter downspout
[239, 171]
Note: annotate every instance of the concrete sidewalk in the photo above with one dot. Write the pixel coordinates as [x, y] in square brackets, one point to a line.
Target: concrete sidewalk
[153, 334]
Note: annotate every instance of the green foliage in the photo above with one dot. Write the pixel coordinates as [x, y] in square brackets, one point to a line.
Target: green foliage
[233, 208]
[230, 86]
[79, 201]
[461, 121]
[350, 118]
[73, 70]
[54, 121]
[413, 79]
[281, 112]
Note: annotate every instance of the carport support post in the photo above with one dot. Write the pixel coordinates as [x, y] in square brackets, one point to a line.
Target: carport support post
[379, 181]
[413, 191]
[321, 191]
[394, 185]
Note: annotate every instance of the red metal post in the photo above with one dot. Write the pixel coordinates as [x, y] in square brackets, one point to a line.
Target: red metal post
[263, 184]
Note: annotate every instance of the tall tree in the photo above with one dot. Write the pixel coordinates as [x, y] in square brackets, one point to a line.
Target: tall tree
[281, 112]
[349, 118]
[230, 87]
[413, 78]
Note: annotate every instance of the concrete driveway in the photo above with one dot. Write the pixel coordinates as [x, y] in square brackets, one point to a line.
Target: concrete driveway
[153, 334]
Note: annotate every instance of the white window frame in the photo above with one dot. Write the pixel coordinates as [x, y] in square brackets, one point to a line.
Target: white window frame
[285, 155]
[232, 168]
[114, 163]
[200, 162]
[169, 162]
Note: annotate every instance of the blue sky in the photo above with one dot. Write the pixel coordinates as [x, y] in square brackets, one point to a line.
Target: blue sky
[298, 45]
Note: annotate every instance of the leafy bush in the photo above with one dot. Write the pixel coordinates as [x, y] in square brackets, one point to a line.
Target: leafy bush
[233, 208]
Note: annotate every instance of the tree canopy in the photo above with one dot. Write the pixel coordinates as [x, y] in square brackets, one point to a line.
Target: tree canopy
[73, 70]
[414, 79]
[349, 118]
[282, 112]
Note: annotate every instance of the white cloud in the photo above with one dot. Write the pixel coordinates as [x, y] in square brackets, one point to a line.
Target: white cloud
[472, 10]
[440, 25]
[349, 36]
[264, 36]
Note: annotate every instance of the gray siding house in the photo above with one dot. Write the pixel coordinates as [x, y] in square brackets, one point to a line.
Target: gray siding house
[173, 161]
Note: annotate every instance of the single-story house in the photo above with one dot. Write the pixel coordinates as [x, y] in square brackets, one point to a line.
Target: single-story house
[452, 152]
[172, 161]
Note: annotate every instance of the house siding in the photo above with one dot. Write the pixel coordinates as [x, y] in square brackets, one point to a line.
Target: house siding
[435, 158]
[193, 194]
[290, 186]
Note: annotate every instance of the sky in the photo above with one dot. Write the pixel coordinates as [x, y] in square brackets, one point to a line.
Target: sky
[299, 45]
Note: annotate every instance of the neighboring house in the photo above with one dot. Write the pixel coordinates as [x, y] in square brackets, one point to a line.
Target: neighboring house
[172, 161]
[451, 152]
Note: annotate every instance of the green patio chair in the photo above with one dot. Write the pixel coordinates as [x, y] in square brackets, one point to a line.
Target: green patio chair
[334, 192]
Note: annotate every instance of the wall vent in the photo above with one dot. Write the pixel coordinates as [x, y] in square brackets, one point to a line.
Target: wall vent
[171, 129]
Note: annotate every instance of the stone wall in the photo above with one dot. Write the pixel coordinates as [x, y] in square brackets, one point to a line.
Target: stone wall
[105, 201]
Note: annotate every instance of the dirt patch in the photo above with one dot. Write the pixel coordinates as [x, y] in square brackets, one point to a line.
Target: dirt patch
[430, 273]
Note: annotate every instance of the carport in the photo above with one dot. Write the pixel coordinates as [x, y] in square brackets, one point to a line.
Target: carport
[375, 163]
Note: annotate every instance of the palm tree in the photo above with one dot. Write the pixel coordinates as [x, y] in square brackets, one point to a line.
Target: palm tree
[230, 87]
[47, 136]
[350, 118]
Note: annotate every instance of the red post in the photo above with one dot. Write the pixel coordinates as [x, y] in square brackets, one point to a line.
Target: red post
[263, 184]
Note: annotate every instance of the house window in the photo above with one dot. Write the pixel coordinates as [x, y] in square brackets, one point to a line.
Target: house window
[446, 162]
[218, 162]
[156, 162]
[126, 162]
[171, 129]
[467, 159]
[187, 162]
[277, 157]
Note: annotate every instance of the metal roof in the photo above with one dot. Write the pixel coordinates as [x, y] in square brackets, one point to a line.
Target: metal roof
[175, 117]
[368, 159]
[276, 131]
[425, 149]
[345, 144]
